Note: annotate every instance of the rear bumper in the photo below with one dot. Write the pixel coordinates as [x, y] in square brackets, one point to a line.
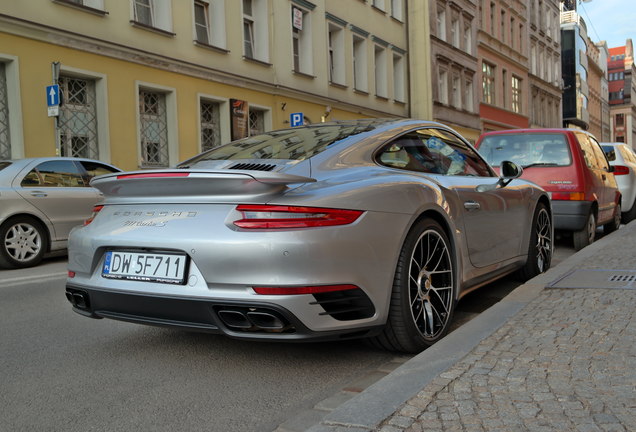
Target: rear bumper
[570, 215]
[241, 320]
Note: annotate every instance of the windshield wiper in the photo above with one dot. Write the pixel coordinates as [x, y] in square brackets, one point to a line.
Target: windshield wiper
[540, 164]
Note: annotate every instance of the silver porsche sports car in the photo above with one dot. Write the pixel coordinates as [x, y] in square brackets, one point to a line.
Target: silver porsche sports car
[351, 229]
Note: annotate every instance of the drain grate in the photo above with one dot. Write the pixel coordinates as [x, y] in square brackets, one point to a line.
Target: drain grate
[605, 279]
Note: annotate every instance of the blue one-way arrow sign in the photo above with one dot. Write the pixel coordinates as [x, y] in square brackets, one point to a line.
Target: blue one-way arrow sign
[52, 95]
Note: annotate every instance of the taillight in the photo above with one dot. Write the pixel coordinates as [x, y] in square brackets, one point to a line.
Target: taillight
[71, 274]
[568, 196]
[152, 175]
[96, 210]
[621, 170]
[282, 217]
[295, 290]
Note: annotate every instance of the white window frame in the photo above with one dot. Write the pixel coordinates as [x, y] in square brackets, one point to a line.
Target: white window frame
[379, 4]
[516, 91]
[441, 24]
[171, 120]
[456, 91]
[14, 102]
[468, 37]
[101, 107]
[267, 115]
[399, 81]
[442, 86]
[397, 9]
[380, 71]
[455, 31]
[160, 12]
[360, 65]
[305, 43]
[469, 95]
[335, 45]
[215, 20]
[260, 28]
[224, 117]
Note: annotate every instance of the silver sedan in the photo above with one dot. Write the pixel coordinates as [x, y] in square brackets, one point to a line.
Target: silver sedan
[41, 199]
[353, 229]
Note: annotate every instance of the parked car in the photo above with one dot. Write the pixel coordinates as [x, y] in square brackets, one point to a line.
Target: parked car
[572, 167]
[623, 159]
[41, 199]
[350, 229]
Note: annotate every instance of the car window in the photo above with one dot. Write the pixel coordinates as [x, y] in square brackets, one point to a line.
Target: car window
[628, 154]
[3, 165]
[600, 155]
[62, 173]
[588, 151]
[526, 149]
[94, 169]
[433, 151]
[610, 152]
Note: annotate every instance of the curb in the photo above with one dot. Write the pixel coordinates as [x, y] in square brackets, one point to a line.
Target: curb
[367, 410]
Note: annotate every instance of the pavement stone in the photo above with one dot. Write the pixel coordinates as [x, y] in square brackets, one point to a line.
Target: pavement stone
[545, 360]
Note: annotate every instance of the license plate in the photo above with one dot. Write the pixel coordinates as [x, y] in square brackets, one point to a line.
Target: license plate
[147, 267]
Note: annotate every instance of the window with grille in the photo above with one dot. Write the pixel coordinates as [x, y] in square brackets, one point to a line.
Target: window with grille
[210, 125]
[257, 122]
[77, 122]
[144, 12]
[488, 83]
[201, 22]
[153, 128]
[5, 138]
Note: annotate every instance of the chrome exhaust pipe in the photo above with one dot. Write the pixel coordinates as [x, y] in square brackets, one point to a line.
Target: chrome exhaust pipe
[234, 319]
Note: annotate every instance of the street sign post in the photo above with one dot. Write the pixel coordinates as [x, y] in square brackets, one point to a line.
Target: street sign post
[53, 100]
[296, 119]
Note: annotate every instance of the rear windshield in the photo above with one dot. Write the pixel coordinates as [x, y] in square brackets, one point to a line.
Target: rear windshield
[290, 144]
[4, 164]
[610, 152]
[526, 149]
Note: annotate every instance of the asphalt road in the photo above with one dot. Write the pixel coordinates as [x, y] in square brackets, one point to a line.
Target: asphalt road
[63, 372]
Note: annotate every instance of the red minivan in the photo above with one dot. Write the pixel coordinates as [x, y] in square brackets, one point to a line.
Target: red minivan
[570, 165]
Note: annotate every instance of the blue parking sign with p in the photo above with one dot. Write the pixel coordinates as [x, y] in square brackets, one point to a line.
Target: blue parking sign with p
[296, 119]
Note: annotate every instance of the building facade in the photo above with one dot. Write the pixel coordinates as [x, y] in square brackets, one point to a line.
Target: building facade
[502, 52]
[574, 69]
[545, 64]
[622, 94]
[147, 83]
[598, 87]
[454, 65]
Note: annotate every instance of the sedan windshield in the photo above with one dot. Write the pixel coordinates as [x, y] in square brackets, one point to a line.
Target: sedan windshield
[290, 144]
[526, 149]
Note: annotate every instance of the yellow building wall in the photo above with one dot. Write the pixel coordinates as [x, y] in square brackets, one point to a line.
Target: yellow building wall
[35, 58]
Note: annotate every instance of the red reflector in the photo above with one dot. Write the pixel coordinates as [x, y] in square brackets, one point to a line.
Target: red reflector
[153, 175]
[71, 274]
[96, 210]
[621, 170]
[281, 217]
[295, 290]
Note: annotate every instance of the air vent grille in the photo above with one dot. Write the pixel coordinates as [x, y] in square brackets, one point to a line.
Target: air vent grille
[253, 166]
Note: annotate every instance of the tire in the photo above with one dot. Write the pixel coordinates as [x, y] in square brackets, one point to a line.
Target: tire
[424, 289]
[585, 236]
[23, 242]
[616, 221]
[629, 215]
[541, 245]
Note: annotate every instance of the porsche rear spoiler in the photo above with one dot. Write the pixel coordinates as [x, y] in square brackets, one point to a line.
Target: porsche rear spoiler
[218, 183]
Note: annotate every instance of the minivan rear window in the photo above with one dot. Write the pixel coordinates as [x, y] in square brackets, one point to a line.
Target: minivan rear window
[526, 149]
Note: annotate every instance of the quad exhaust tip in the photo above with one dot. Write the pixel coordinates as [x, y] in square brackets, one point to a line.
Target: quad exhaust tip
[77, 299]
[252, 320]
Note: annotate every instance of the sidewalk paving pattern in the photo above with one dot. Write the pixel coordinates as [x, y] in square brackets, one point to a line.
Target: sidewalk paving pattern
[542, 359]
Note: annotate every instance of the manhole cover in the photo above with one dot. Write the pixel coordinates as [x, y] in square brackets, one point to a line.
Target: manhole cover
[616, 279]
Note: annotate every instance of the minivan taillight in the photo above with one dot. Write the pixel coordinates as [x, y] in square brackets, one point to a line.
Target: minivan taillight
[96, 209]
[621, 170]
[285, 217]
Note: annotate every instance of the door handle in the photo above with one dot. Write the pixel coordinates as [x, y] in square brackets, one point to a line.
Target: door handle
[39, 194]
[471, 205]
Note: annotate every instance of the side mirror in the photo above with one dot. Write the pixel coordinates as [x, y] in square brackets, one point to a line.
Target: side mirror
[508, 172]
